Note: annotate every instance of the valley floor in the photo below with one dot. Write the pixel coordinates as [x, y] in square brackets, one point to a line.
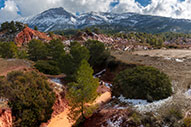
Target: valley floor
[175, 63]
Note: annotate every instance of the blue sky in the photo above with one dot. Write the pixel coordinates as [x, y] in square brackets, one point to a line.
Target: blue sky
[142, 2]
[2, 3]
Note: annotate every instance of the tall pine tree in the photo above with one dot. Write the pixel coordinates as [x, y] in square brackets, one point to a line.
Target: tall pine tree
[83, 91]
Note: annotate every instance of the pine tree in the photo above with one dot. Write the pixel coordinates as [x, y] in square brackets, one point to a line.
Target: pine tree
[82, 91]
[8, 50]
[71, 62]
[37, 50]
[36, 28]
[98, 53]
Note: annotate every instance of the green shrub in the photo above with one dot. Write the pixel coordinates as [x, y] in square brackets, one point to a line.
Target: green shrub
[8, 50]
[55, 49]
[47, 67]
[70, 62]
[173, 116]
[187, 122]
[142, 83]
[136, 119]
[30, 98]
[37, 50]
[98, 53]
[22, 54]
[12, 27]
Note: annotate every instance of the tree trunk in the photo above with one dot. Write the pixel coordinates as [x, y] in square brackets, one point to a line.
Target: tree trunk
[83, 117]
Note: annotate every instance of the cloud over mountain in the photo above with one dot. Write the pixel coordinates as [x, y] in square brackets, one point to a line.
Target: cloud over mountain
[167, 8]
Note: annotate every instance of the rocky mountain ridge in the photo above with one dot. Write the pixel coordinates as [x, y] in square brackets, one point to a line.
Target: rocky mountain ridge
[59, 19]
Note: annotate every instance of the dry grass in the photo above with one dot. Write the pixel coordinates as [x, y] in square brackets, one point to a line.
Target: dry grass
[10, 65]
[179, 72]
[172, 53]
[3, 105]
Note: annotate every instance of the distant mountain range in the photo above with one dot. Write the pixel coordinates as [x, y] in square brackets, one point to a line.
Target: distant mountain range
[59, 19]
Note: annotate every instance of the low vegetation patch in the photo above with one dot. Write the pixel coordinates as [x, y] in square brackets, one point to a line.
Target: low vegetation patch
[142, 82]
[30, 98]
[48, 67]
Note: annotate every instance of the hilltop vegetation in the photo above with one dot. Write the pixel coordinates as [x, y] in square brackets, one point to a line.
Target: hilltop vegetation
[167, 39]
[11, 27]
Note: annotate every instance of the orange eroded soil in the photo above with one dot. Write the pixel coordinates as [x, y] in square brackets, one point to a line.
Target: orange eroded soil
[61, 119]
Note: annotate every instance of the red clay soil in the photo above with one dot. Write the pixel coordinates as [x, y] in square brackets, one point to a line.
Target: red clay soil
[5, 118]
[27, 34]
[58, 107]
[60, 104]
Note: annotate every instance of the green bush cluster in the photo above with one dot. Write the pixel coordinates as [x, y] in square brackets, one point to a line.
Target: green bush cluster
[9, 50]
[46, 55]
[11, 27]
[142, 82]
[98, 53]
[30, 97]
[47, 67]
[187, 122]
[51, 58]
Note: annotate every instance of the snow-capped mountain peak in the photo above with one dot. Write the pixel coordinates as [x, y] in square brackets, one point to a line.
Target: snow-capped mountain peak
[60, 19]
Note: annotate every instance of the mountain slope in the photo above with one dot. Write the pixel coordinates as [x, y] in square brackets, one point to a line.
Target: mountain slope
[60, 19]
[56, 18]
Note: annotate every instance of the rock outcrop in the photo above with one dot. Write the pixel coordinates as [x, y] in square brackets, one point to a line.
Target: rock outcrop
[5, 118]
[27, 34]
[113, 42]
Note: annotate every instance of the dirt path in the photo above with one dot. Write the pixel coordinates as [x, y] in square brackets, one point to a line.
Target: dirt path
[61, 119]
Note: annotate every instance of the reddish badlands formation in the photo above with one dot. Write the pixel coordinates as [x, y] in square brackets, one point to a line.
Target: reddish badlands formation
[27, 34]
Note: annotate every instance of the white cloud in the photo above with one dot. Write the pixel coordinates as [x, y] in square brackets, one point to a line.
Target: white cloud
[9, 12]
[32, 7]
[168, 8]
[128, 6]
[87, 5]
